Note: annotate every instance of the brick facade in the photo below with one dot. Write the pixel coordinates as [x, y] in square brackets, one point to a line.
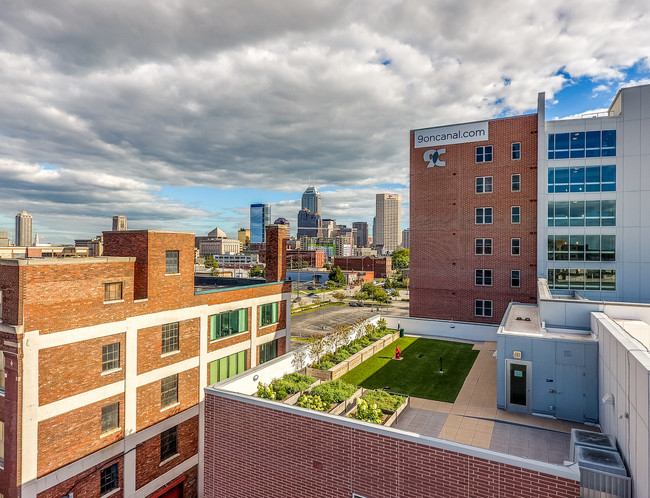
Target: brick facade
[443, 207]
[55, 321]
[380, 266]
[331, 459]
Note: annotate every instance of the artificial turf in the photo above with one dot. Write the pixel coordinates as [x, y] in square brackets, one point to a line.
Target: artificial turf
[414, 375]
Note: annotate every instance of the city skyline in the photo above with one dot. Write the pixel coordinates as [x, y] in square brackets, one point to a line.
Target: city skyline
[174, 127]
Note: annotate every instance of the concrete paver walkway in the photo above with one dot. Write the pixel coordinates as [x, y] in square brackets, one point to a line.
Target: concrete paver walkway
[475, 420]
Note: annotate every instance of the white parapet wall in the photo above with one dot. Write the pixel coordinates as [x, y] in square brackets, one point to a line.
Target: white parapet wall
[445, 329]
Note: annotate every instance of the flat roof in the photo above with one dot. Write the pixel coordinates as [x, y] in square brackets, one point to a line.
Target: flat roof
[65, 260]
[638, 329]
[523, 319]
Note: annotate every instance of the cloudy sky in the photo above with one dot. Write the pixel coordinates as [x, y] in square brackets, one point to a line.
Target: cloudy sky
[181, 113]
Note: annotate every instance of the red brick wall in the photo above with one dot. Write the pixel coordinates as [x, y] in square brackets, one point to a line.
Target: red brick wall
[75, 368]
[282, 321]
[443, 229]
[131, 244]
[147, 456]
[148, 399]
[87, 483]
[10, 285]
[276, 249]
[261, 445]
[68, 437]
[150, 346]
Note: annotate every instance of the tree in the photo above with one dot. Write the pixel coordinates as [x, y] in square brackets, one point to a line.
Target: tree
[256, 272]
[381, 296]
[210, 262]
[395, 293]
[336, 275]
[401, 259]
[339, 296]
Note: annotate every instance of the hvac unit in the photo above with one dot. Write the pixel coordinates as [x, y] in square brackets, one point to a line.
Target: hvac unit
[590, 439]
[602, 474]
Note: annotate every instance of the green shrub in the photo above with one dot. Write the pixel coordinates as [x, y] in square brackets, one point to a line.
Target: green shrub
[292, 383]
[341, 355]
[265, 391]
[368, 413]
[326, 365]
[334, 391]
[355, 346]
[312, 402]
[384, 400]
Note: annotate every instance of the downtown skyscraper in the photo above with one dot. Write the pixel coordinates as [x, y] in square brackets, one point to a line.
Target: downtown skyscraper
[388, 222]
[260, 217]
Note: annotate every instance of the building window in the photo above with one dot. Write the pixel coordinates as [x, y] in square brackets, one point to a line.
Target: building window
[483, 307]
[515, 183]
[224, 368]
[515, 247]
[268, 314]
[515, 278]
[268, 351]
[110, 417]
[168, 443]
[483, 216]
[515, 214]
[516, 150]
[113, 291]
[2, 373]
[582, 213]
[484, 185]
[109, 479]
[228, 323]
[110, 357]
[171, 262]
[483, 246]
[581, 248]
[169, 391]
[482, 277]
[582, 279]
[484, 154]
[170, 337]
[582, 144]
[582, 179]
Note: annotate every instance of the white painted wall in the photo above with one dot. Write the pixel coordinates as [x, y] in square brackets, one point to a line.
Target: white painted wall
[443, 328]
[624, 372]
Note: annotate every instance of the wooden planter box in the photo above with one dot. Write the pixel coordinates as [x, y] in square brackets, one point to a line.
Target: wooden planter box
[393, 415]
[348, 404]
[345, 366]
[291, 400]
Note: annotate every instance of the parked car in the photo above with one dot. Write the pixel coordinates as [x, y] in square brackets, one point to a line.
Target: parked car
[311, 287]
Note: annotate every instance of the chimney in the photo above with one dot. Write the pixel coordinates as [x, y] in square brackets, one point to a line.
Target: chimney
[276, 253]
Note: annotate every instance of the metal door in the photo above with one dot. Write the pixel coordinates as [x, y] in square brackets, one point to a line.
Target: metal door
[570, 392]
[518, 382]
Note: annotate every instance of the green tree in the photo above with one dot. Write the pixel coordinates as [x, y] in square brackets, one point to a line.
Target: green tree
[336, 275]
[381, 296]
[395, 293]
[339, 296]
[256, 272]
[400, 259]
[210, 262]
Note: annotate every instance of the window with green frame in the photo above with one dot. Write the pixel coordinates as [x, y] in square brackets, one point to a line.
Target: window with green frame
[224, 368]
[268, 351]
[228, 323]
[268, 314]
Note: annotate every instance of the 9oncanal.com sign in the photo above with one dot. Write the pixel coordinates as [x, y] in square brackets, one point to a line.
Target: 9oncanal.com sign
[448, 135]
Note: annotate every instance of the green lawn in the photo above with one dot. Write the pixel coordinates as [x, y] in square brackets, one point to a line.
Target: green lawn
[418, 377]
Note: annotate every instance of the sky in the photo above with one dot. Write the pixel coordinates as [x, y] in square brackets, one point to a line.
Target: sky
[181, 113]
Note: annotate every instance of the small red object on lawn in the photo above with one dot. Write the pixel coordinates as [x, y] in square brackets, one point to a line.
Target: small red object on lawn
[397, 353]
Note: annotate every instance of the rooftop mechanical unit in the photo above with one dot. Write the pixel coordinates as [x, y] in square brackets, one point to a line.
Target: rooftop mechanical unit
[602, 474]
[590, 439]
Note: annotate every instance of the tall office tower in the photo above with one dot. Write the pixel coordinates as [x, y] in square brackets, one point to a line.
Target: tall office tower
[309, 224]
[328, 226]
[362, 233]
[311, 199]
[23, 229]
[4, 238]
[260, 217]
[244, 236]
[119, 223]
[406, 238]
[388, 216]
[473, 218]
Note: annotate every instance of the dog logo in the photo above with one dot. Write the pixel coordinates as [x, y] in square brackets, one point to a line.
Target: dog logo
[433, 157]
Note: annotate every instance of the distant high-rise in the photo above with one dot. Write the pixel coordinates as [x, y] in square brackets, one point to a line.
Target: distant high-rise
[362, 233]
[4, 238]
[311, 199]
[309, 224]
[260, 217]
[119, 223]
[23, 229]
[406, 238]
[244, 236]
[388, 219]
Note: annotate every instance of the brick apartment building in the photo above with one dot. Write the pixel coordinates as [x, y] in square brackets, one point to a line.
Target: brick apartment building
[313, 258]
[380, 266]
[105, 360]
[473, 218]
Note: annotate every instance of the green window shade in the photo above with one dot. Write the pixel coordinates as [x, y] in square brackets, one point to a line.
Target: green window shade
[243, 319]
[228, 323]
[274, 313]
[223, 368]
[268, 314]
